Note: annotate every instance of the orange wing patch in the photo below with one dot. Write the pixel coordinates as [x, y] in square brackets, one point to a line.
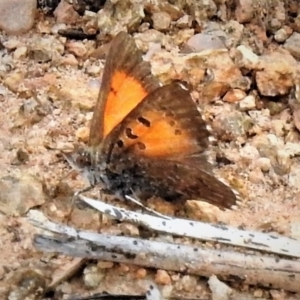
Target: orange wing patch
[161, 138]
[124, 95]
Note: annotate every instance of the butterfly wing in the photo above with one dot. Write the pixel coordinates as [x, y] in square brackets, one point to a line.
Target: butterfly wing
[126, 80]
[153, 137]
[166, 124]
[160, 148]
[184, 180]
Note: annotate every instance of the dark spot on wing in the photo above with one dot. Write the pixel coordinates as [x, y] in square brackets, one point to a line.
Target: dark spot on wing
[141, 146]
[177, 132]
[120, 143]
[130, 134]
[112, 90]
[144, 121]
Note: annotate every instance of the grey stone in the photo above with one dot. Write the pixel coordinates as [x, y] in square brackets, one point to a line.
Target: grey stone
[17, 17]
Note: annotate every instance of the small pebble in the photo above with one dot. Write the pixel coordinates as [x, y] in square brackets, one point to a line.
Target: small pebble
[141, 273]
[184, 22]
[258, 294]
[256, 176]
[92, 276]
[93, 70]
[202, 41]
[161, 20]
[105, 264]
[20, 193]
[249, 153]
[129, 229]
[219, 289]
[17, 16]
[263, 163]
[69, 60]
[65, 288]
[292, 44]
[12, 44]
[247, 103]
[234, 95]
[65, 13]
[162, 277]
[244, 10]
[281, 35]
[188, 282]
[82, 134]
[76, 48]
[248, 58]
[123, 268]
[20, 52]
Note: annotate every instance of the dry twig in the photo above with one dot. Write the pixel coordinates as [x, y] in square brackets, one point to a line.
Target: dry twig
[251, 269]
[223, 234]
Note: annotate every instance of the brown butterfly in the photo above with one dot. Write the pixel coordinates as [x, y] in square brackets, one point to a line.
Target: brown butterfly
[147, 139]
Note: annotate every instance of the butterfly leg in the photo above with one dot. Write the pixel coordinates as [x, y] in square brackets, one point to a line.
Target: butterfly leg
[74, 197]
[134, 199]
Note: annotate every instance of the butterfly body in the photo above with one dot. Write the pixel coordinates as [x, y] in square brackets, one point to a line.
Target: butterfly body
[146, 138]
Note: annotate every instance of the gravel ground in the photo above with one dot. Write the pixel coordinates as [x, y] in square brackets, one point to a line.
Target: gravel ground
[241, 61]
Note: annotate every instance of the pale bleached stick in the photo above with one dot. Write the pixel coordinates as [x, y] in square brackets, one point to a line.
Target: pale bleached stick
[218, 233]
[251, 269]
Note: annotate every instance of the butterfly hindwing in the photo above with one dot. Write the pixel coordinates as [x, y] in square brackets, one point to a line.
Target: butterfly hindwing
[160, 148]
[166, 124]
[126, 80]
[185, 180]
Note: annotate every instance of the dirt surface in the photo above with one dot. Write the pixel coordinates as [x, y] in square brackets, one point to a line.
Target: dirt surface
[241, 61]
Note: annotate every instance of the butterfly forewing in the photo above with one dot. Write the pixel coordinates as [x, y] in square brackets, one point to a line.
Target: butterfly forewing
[126, 80]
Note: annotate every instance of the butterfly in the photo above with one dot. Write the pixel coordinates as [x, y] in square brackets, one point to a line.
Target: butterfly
[147, 139]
